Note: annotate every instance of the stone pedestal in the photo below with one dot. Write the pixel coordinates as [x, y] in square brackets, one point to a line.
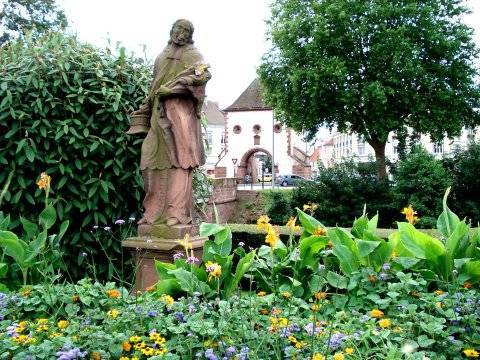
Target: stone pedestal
[159, 242]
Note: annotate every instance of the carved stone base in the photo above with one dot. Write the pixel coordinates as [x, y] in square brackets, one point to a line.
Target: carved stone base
[159, 242]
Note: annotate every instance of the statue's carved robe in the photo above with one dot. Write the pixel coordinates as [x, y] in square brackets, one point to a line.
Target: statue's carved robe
[173, 146]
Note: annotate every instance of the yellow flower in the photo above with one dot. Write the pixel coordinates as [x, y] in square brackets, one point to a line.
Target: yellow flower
[214, 270]
[318, 356]
[147, 351]
[292, 339]
[291, 224]
[44, 182]
[311, 207]
[384, 323]
[261, 293]
[272, 237]
[167, 299]
[286, 295]
[319, 231]
[375, 313]
[113, 294]
[54, 335]
[96, 356]
[320, 295]
[113, 313]
[161, 351]
[150, 288]
[63, 324]
[438, 305]
[185, 242]
[349, 351]
[26, 293]
[263, 222]
[135, 339]
[42, 321]
[471, 353]
[438, 292]
[124, 358]
[338, 356]
[410, 214]
[126, 346]
[315, 307]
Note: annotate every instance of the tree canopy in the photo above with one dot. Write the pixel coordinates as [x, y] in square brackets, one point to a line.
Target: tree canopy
[19, 17]
[372, 67]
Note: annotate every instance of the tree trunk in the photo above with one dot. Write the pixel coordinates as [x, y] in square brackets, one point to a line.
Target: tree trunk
[379, 147]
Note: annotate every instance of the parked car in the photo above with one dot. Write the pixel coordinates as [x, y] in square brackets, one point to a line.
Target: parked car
[266, 178]
[289, 180]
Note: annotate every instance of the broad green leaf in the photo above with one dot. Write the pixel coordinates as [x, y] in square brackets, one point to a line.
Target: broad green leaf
[30, 228]
[3, 270]
[472, 269]
[347, 259]
[336, 280]
[13, 246]
[63, 229]
[207, 229]
[309, 223]
[447, 221]
[457, 243]
[36, 246]
[406, 262]
[47, 217]
[359, 226]
[372, 224]
[309, 248]
[163, 270]
[168, 286]
[189, 283]
[242, 267]
[366, 247]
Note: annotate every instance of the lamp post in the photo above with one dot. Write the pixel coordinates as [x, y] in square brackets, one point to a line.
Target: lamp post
[234, 160]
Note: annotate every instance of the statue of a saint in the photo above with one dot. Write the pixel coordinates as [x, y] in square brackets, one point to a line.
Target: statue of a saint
[170, 116]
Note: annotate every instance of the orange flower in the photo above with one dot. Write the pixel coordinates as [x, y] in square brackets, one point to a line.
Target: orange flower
[44, 182]
[126, 346]
[75, 298]
[375, 313]
[372, 278]
[319, 231]
[410, 214]
[112, 293]
[320, 295]
[261, 293]
[264, 311]
[96, 356]
[467, 285]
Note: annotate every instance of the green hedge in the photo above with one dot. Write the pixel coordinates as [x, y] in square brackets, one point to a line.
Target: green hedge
[64, 109]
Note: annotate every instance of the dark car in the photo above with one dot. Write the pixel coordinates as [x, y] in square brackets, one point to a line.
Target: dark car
[289, 180]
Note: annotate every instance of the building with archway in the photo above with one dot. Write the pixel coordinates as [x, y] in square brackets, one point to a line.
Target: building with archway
[251, 130]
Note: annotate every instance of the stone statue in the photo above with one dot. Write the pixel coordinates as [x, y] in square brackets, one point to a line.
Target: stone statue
[170, 115]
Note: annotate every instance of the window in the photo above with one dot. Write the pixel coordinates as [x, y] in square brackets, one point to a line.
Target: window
[222, 139]
[361, 148]
[438, 147]
[256, 140]
[256, 129]
[277, 128]
[237, 129]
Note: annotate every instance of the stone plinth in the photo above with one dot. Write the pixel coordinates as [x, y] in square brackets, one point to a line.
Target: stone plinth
[159, 242]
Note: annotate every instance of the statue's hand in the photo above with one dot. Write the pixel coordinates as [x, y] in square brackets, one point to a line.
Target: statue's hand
[163, 91]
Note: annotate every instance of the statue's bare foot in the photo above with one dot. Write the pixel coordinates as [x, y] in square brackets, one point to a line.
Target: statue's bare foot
[172, 221]
[142, 221]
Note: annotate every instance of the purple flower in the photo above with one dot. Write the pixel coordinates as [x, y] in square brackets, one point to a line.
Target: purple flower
[336, 340]
[311, 329]
[152, 313]
[178, 255]
[285, 332]
[243, 353]
[364, 318]
[107, 228]
[179, 316]
[192, 260]
[383, 276]
[386, 267]
[191, 308]
[230, 351]
[67, 353]
[119, 222]
[209, 355]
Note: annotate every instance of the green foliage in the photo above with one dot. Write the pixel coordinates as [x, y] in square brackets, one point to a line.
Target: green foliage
[420, 181]
[278, 206]
[372, 67]
[190, 277]
[21, 17]
[64, 110]
[341, 192]
[466, 183]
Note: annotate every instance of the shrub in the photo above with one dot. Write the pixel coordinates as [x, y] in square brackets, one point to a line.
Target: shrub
[420, 181]
[342, 191]
[64, 110]
[278, 206]
[466, 183]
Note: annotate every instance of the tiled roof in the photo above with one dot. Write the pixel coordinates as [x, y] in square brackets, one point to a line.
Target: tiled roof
[214, 115]
[250, 100]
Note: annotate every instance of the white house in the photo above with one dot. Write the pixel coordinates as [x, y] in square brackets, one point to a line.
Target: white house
[251, 129]
[214, 133]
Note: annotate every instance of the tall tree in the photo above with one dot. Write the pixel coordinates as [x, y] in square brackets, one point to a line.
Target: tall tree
[19, 17]
[372, 67]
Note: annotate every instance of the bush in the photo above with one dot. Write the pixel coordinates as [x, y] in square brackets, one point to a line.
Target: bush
[278, 206]
[464, 167]
[342, 191]
[420, 181]
[64, 110]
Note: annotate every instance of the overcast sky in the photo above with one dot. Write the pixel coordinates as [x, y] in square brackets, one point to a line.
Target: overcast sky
[229, 33]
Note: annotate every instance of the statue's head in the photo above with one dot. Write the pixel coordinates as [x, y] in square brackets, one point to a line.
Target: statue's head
[181, 33]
